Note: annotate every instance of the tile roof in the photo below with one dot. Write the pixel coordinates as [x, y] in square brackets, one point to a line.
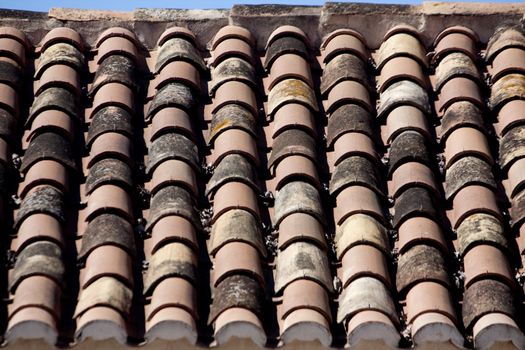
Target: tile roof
[268, 184]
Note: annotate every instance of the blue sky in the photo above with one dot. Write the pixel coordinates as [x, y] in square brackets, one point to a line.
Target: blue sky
[124, 5]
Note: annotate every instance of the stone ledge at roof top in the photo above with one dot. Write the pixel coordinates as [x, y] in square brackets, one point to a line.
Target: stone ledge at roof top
[317, 21]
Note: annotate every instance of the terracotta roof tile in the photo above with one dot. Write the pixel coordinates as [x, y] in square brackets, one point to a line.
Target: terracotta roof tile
[252, 185]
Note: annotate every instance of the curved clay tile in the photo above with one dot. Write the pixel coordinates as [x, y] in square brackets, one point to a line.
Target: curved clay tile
[109, 119]
[364, 260]
[294, 116]
[292, 142]
[409, 175]
[470, 91]
[13, 49]
[172, 146]
[285, 45]
[171, 119]
[228, 322]
[301, 227]
[64, 35]
[171, 95]
[176, 32]
[286, 31]
[246, 263]
[467, 141]
[231, 47]
[290, 66]
[232, 69]
[516, 177]
[361, 229]
[358, 200]
[468, 171]
[366, 293]
[348, 91]
[171, 260]
[401, 44]
[232, 31]
[343, 67]
[38, 227]
[420, 230]
[237, 291]
[52, 121]
[107, 260]
[236, 226]
[14, 33]
[172, 228]
[404, 92]
[455, 65]
[39, 292]
[173, 172]
[178, 72]
[429, 297]
[485, 297]
[502, 38]
[352, 171]
[349, 118]
[517, 210]
[509, 60]
[60, 53]
[414, 201]
[110, 145]
[171, 200]
[10, 72]
[109, 198]
[455, 39]
[291, 91]
[233, 167]
[113, 32]
[497, 327]
[43, 322]
[178, 49]
[115, 69]
[421, 263]
[409, 146]
[302, 260]
[235, 92]
[298, 197]
[234, 141]
[114, 324]
[235, 195]
[61, 76]
[473, 199]
[487, 262]
[509, 87]
[38, 259]
[42, 199]
[54, 98]
[511, 147]
[305, 294]
[117, 46]
[107, 229]
[173, 292]
[56, 175]
[7, 124]
[404, 118]
[232, 116]
[460, 114]
[401, 68]
[306, 324]
[344, 40]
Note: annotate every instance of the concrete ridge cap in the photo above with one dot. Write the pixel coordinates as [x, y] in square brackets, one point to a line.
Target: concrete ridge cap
[241, 10]
[471, 8]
